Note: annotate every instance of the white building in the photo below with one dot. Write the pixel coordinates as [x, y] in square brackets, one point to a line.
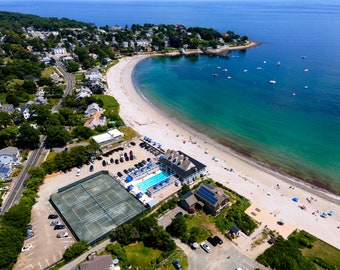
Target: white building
[9, 155]
[108, 137]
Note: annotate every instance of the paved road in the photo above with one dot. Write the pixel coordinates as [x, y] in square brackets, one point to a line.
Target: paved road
[68, 80]
[20, 183]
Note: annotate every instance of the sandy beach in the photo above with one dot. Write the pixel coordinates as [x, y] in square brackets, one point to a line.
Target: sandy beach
[268, 190]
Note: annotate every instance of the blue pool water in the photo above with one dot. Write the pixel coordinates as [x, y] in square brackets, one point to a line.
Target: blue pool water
[152, 181]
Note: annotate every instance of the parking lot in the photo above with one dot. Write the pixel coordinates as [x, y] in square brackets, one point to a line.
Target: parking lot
[46, 248]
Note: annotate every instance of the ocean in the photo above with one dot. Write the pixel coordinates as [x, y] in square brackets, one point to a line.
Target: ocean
[292, 125]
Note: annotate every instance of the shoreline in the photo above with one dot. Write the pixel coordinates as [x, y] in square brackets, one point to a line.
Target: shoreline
[147, 119]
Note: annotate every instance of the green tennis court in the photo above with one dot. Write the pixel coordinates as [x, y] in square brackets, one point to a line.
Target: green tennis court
[95, 205]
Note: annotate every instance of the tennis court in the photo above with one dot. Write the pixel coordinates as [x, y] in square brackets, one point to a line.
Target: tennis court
[94, 206]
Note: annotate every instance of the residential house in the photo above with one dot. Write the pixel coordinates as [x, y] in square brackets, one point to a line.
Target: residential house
[59, 50]
[93, 75]
[5, 171]
[213, 198]
[184, 167]
[8, 108]
[189, 201]
[97, 263]
[95, 120]
[83, 92]
[25, 111]
[92, 108]
[9, 155]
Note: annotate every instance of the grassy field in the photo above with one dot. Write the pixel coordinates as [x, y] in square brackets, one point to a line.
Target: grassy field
[146, 258]
[111, 105]
[324, 251]
[48, 71]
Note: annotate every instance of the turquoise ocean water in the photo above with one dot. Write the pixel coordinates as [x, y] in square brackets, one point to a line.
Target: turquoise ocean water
[292, 127]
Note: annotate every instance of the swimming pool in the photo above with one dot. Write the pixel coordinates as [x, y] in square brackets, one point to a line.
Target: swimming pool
[144, 185]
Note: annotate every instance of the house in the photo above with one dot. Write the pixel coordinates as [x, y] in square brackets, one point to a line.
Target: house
[189, 201]
[8, 108]
[184, 167]
[83, 92]
[213, 198]
[93, 75]
[59, 50]
[25, 111]
[95, 119]
[5, 171]
[234, 232]
[92, 108]
[108, 137]
[97, 263]
[9, 155]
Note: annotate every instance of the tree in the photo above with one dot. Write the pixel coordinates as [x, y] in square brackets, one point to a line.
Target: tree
[177, 227]
[82, 133]
[117, 251]
[56, 136]
[5, 119]
[72, 66]
[28, 137]
[74, 250]
[40, 112]
[185, 189]
[126, 234]
[29, 86]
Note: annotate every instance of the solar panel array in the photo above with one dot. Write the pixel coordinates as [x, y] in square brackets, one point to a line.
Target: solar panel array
[206, 194]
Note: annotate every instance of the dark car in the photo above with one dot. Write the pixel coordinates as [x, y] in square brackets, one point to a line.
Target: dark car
[99, 158]
[119, 174]
[212, 241]
[104, 163]
[59, 227]
[179, 214]
[218, 240]
[117, 161]
[112, 160]
[91, 168]
[29, 227]
[127, 158]
[148, 159]
[121, 160]
[52, 216]
[133, 143]
[126, 171]
[144, 162]
[177, 265]
[272, 240]
[29, 235]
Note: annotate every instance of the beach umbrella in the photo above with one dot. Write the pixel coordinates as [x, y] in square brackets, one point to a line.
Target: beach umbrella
[130, 187]
[154, 143]
[150, 164]
[139, 195]
[295, 199]
[331, 212]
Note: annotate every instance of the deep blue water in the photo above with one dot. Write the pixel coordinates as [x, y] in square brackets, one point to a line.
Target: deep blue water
[300, 133]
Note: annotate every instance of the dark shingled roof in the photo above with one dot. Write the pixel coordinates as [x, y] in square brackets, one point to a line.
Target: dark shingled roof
[188, 164]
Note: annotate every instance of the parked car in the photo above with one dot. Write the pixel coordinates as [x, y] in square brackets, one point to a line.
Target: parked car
[126, 171]
[127, 158]
[205, 247]
[59, 227]
[26, 248]
[53, 223]
[112, 160]
[29, 226]
[133, 143]
[121, 160]
[117, 161]
[119, 174]
[78, 172]
[176, 264]
[53, 216]
[104, 163]
[212, 241]
[29, 235]
[91, 168]
[218, 239]
[62, 235]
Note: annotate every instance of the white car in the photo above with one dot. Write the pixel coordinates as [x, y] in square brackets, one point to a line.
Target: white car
[53, 223]
[205, 247]
[78, 172]
[26, 248]
[62, 235]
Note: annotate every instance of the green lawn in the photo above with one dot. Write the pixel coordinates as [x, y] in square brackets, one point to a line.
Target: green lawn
[141, 256]
[324, 251]
[3, 98]
[146, 258]
[111, 105]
